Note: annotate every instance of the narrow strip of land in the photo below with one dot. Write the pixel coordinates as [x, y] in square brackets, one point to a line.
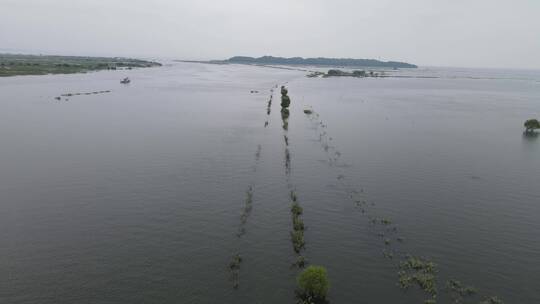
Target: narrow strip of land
[17, 65]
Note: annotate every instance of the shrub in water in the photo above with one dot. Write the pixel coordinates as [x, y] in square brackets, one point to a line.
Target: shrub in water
[531, 125]
[313, 282]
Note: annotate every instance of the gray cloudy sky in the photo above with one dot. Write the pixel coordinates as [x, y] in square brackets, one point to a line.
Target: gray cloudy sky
[465, 33]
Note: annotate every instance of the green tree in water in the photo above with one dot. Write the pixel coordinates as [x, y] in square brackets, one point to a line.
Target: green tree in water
[531, 125]
[313, 284]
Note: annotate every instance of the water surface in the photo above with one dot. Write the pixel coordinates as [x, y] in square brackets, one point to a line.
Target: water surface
[135, 196]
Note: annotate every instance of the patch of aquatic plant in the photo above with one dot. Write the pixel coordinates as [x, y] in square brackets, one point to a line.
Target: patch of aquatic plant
[286, 140]
[285, 118]
[296, 210]
[297, 238]
[248, 206]
[458, 291]
[300, 262]
[492, 300]
[313, 285]
[287, 161]
[297, 235]
[298, 224]
[258, 152]
[385, 221]
[420, 272]
[294, 198]
[234, 268]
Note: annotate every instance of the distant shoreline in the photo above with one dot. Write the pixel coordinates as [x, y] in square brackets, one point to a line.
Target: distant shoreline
[20, 65]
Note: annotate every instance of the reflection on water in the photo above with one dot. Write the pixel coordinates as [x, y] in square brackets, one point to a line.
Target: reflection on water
[156, 192]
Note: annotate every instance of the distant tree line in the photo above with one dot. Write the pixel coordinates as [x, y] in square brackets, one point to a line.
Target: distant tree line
[320, 61]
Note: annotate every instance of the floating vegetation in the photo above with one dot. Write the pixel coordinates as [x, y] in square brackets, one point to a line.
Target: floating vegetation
[87, 93]
[294, 198]
[492, 300]
[300, 262]
[388, 254]
[286, 140]
[248, 206]
[419, 271]
[285, 118]
[387, 242]
[385, 221]
[234, 268]
[287, 162]
[258, 153]
[458, 291]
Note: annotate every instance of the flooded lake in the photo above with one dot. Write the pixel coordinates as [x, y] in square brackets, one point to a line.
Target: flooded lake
[138, 195]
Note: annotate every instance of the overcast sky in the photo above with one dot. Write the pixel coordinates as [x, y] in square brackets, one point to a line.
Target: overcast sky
[463, 33]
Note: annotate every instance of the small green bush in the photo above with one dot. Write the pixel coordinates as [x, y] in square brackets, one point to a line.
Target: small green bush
[313, 282]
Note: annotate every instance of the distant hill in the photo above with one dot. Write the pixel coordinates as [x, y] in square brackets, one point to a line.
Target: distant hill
[320, 61]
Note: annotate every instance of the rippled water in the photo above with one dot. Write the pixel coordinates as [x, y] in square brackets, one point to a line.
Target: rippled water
[135, 196]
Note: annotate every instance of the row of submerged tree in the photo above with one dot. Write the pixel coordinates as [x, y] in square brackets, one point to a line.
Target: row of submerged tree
[236, 259]
[312, 282]
[413, 271]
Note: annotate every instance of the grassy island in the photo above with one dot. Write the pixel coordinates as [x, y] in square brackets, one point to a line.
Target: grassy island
[16, 64]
